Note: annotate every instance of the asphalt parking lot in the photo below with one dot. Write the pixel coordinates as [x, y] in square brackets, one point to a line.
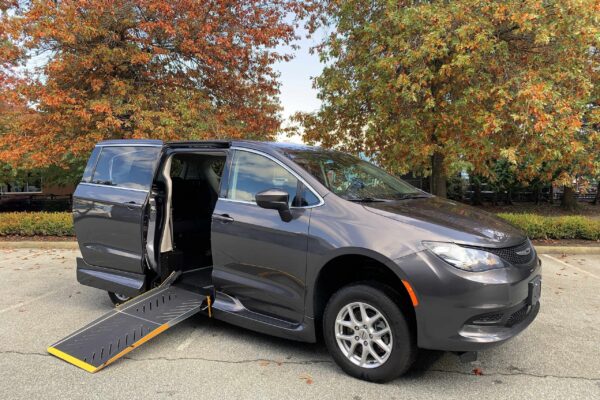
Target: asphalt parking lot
[558, 357]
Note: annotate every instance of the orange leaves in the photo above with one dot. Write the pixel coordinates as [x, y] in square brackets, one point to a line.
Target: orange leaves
[141, 58]
[466, 78]
[144, 68]
[101, 107]
[96, 84]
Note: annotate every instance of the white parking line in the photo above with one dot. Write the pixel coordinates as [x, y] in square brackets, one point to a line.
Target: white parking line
[187, 342]
[28, 301]
[571, 266]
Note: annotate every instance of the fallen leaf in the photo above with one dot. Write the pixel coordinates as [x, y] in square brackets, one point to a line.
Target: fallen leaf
[307, 378]
[477, 371]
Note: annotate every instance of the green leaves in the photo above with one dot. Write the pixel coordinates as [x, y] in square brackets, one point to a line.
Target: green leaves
[467, 78]
[565, 227]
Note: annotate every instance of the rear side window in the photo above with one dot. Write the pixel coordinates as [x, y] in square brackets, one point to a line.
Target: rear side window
[127, 167]
[89, 168]
[252, 173]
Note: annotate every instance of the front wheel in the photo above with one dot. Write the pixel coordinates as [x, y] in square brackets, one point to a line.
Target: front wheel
[367, 333]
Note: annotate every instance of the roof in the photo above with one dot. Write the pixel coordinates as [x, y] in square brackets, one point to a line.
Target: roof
[132, 142]
[217, 143]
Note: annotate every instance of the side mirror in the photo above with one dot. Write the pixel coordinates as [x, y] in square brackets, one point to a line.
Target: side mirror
[274, 199]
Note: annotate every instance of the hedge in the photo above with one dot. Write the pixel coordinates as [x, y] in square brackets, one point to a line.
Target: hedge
[566, 227]
[536, 226]
[36, 224]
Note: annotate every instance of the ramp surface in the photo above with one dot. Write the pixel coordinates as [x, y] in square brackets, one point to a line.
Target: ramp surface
[129, 325]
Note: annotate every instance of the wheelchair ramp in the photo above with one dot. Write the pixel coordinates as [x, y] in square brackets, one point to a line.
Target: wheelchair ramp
[131, 324]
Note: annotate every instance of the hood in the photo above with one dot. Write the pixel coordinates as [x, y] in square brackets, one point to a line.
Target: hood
[450, 221]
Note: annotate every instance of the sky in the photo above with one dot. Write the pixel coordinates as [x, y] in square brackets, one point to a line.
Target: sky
[296, 76]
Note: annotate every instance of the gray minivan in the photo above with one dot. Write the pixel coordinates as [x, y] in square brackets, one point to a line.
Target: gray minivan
[300, 241]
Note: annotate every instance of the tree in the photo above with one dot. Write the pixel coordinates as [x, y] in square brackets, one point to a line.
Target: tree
[103, 69]
[592, 126]
[419, 85]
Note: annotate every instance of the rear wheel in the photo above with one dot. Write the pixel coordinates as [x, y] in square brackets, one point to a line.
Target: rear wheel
[367, 333]
[118, 298]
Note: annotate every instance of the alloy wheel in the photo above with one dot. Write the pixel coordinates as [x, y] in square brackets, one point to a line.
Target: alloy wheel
[363, 335]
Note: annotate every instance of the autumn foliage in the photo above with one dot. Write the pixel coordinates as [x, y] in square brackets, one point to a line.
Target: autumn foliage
[89, 70]
[438, 86]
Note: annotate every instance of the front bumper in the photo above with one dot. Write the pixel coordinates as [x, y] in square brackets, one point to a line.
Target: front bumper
[469, 311]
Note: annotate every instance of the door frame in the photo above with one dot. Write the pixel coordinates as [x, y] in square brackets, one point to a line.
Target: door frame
[169, 151]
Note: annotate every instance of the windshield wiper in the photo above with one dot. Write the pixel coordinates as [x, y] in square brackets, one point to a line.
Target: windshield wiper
[367, 200]
[408, 196]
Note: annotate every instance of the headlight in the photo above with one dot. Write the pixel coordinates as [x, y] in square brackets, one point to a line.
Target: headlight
[464, 258]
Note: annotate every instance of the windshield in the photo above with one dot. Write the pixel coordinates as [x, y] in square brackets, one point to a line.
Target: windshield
[352, 178]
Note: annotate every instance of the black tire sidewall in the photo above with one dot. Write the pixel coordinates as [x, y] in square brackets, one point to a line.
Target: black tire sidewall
[378, 296]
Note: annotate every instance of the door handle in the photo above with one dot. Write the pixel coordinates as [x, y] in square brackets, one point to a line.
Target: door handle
[131, 204]
[223, 218]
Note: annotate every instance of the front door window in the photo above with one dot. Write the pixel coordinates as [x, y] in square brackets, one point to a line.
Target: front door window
[253, 173]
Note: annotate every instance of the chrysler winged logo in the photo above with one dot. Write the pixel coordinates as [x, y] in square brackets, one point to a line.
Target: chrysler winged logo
[524, 252]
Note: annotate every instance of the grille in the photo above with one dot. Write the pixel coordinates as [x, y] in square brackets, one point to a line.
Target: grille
[510, 253]
[517, 317]
[488, 319]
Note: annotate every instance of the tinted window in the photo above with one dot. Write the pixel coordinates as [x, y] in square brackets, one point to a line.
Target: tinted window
[308, 198]
[252, 173]
[89, 168]
[128, 167]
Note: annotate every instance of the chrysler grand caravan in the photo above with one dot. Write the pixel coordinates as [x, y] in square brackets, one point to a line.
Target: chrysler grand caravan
[299, 242]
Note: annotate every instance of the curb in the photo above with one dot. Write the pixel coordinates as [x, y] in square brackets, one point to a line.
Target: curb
[567, 249]
[34, 244]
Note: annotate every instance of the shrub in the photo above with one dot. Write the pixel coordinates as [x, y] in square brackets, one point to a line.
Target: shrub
[36, 224]
[535, 226]
[566, 227]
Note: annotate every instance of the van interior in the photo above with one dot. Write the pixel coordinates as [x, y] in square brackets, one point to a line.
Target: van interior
[191, 182]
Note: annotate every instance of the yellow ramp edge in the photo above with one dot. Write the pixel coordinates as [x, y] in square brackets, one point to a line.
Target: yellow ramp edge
[70, 359]
[90, 368]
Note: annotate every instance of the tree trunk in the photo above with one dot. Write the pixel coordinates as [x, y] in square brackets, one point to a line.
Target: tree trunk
[537, 193]
[476, 195]
[597, 198]
[438, 176]
[568, 202]
[508, 197]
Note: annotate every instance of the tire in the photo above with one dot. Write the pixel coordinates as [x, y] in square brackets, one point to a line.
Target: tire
[348, 353]
[117, 298]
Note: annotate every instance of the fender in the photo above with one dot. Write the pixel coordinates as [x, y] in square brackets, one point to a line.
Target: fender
[314, 269]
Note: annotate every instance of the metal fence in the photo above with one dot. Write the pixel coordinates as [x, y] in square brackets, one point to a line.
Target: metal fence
[466, 191]
[35, 202]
